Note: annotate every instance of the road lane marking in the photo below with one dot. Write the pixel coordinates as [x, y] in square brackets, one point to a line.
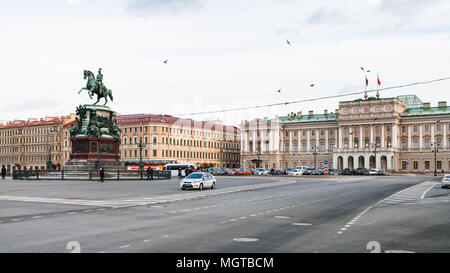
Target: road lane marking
[125, 246]
[301, 224]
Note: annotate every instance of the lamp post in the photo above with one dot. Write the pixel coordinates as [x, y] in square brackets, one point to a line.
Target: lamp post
[315, 154]
[140, 146]
[49, 161]
[97, 163]
[259, 158]
[435, 150]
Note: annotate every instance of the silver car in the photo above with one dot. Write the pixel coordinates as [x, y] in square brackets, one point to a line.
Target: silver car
[198, 180]
[445, 182]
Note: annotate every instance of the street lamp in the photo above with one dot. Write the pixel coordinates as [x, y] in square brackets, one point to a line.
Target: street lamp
[435, 150]
[140, 146]
[259, 158]
[49, 161]
[315, 154]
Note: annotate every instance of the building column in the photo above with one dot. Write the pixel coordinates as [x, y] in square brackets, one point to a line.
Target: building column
[420, 137]
[290, 141]
[361, 143]
[378, 161]
[389, 162]
[255, 141]
[308, 141]
[371, 134]
[382, 135]
[261, 133]
[350, 139]
[299, 147]
[341, 140]
[444, 136]
[367, 161]
[409, 137]
[326, 140]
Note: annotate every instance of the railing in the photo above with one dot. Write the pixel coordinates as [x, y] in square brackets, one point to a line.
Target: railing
[88, 175]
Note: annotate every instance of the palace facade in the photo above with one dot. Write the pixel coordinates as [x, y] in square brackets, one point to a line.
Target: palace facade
[386, 133]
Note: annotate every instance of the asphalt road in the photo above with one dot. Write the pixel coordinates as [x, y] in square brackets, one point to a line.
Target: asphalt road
[242, 215]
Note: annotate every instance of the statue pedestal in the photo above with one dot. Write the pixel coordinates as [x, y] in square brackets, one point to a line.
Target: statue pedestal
[91, 149]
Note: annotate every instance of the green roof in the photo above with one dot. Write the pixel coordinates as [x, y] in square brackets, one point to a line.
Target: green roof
[310, 118]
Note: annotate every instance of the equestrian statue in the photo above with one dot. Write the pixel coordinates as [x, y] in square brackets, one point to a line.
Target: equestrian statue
[96, 86]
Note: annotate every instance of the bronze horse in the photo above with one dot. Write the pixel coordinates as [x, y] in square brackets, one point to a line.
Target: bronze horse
[93, 88]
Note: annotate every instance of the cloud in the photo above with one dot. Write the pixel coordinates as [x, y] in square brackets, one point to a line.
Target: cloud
[146, 7]
[405, 7]
[325, 15]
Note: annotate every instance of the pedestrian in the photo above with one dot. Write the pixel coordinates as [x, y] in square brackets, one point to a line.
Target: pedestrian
[179, 173]
[151, 174]
[3, 172]
[101, 173]
[148, 173]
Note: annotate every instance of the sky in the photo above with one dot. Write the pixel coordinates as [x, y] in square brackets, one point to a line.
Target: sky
[221, 54]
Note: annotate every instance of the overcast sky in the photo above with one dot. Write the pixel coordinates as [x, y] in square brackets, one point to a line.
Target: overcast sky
[221, 54]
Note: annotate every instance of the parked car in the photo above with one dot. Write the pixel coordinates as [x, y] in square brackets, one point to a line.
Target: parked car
[287, 170]
[252, 171]
[348, 171]
[445, 182]
[295, 172]
[382, 172]
[331, 171]
[232, 172]
[308, 171]
[361, 171]
[319, 172]
[373, 171]
[259, 171]
[198, 180]
[277, 172]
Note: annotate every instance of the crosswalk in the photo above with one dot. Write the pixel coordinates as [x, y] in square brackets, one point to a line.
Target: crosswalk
[414, 195]
[119, 203]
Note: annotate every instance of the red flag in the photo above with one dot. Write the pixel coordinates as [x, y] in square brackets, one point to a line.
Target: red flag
[367, 81]
[379, 83]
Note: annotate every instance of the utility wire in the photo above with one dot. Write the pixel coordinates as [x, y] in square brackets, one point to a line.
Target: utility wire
[313, 99]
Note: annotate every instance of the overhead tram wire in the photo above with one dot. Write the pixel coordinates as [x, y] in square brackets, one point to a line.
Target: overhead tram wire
[313, 99]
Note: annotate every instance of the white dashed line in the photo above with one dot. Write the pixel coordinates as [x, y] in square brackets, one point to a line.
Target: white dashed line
[125, 246]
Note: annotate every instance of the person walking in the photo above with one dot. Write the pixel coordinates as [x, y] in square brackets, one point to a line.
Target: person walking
[179, 173]
[3, 172]
[151, 174]
[101, 173]
[148, 173]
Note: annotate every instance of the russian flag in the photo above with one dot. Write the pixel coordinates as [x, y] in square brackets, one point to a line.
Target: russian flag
[367, 81]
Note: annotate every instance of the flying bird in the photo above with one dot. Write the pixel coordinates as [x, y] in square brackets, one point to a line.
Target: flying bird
[279, 90]
[312, 85]
[287, 41]
[165, 61]
[362, 68]
[368, 71]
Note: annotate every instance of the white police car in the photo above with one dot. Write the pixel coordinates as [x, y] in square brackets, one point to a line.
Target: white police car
[198, 180]
[445, 182]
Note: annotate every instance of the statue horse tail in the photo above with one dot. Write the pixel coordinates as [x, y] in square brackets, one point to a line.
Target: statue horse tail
[110, 94]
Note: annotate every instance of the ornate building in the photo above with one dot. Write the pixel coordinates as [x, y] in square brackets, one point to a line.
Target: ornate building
[389, 133]
[27, 144]
[168, 138]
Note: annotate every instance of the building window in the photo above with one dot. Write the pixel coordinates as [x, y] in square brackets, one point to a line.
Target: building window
[295, 148]
[438, 127]
[403, 129]
[345, 129]
[415, 165]
[286, 147]
[427, 165]
[154, 152]
[427, 143]
[154, 128]
[403, 143]
[331, 132]
[331, 146]
[439, 142]
[404, 165]
[313, 132]
[304, 146]
[439, 165]
[155, 139]
[377, 128]
[427, 127]
[415, 128]
[415, 143]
